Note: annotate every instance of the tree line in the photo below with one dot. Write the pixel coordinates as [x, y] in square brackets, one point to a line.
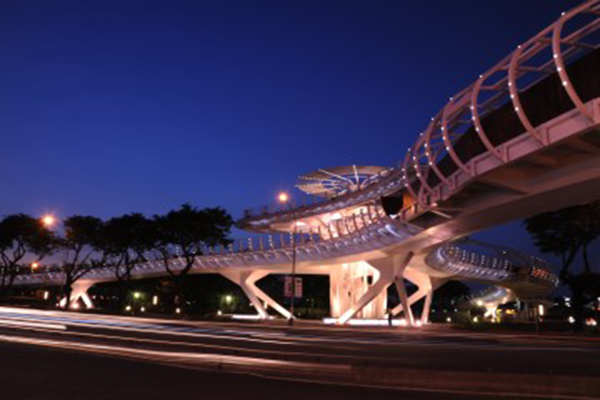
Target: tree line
[568, 234]
[119, 243]
[122, 242]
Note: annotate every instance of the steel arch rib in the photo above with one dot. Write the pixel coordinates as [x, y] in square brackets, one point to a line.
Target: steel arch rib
[424, 184]
[406, 180]
[448, 142]
[514, 95]
[477, 122]
[559, 62]
[428, 152]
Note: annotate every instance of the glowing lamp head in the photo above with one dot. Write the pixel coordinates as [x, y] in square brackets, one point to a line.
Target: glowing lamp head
[34, 265]
[283, 197]
[48, 220]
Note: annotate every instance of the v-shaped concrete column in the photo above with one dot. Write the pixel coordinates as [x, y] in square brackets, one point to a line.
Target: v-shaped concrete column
[426, 285]
[241, 279]
[387, 275]
[399, 270]
[247, 281]
[79, 291]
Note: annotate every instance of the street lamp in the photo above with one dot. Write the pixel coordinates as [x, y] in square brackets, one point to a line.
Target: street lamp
[283, 199]
[48, 220]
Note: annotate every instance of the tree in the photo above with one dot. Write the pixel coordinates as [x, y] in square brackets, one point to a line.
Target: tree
[79, 247]
[449, 294]
[565, 233]
[21, 234]
[124, 241]
[183, 234]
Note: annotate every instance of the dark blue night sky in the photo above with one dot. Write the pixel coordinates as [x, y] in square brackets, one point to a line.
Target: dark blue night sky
[109, 107]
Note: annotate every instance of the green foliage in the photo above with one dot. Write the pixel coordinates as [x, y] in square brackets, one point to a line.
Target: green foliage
[124, 241]
[192, 228]
[184, 234]
[21, 234]
[82, 231]
[121, 242]
[566, 232]
[187, 231]
[130, 233]
[82, 239]
[449, 293]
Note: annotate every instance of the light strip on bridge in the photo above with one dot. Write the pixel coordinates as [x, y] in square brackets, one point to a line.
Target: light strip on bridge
[19, 323]
[371, 322]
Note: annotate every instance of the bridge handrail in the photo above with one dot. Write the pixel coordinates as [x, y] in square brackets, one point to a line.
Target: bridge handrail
[356, 233]
[422, 172]
[309, 201]
[329, 237]
[452, 257]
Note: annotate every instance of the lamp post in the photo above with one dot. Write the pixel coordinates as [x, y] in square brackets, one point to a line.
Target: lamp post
[283, 199]
[48, 220]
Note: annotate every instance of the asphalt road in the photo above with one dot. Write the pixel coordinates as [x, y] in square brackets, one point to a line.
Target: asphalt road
[120, 356]
[34, 373]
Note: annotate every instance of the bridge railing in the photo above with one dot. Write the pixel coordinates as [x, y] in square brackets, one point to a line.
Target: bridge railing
[367, 229]
[338, 235]
[503, 103]
[307, 201]
[476, 264]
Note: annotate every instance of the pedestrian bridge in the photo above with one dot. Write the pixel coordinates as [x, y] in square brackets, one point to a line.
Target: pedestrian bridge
[523, 138]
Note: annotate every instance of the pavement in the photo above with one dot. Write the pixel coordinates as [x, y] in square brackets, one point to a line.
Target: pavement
[308, 359]
[33, 373]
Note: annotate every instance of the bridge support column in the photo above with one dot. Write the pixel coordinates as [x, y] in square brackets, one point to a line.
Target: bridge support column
[79, 292]
[241, 279]
[427, 305]
[258, 275]
[386, 276]
[399, 270]
[426, 286]
[347, 283]
[247, 280]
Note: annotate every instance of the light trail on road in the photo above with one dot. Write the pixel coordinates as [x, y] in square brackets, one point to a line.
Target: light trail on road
[386, 346]
[276, 336]
[305, 352]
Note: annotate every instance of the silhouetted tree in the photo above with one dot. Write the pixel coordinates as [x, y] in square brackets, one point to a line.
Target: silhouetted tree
[124, 241]
[565, 233]
[21, 234]
[185, 233]
[79, 248]
[449, 294]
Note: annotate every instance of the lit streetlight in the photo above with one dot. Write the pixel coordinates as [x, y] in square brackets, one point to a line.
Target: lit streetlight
[48, 220]
[283, 199]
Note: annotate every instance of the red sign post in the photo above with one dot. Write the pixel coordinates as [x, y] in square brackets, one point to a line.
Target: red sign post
[288, 285]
